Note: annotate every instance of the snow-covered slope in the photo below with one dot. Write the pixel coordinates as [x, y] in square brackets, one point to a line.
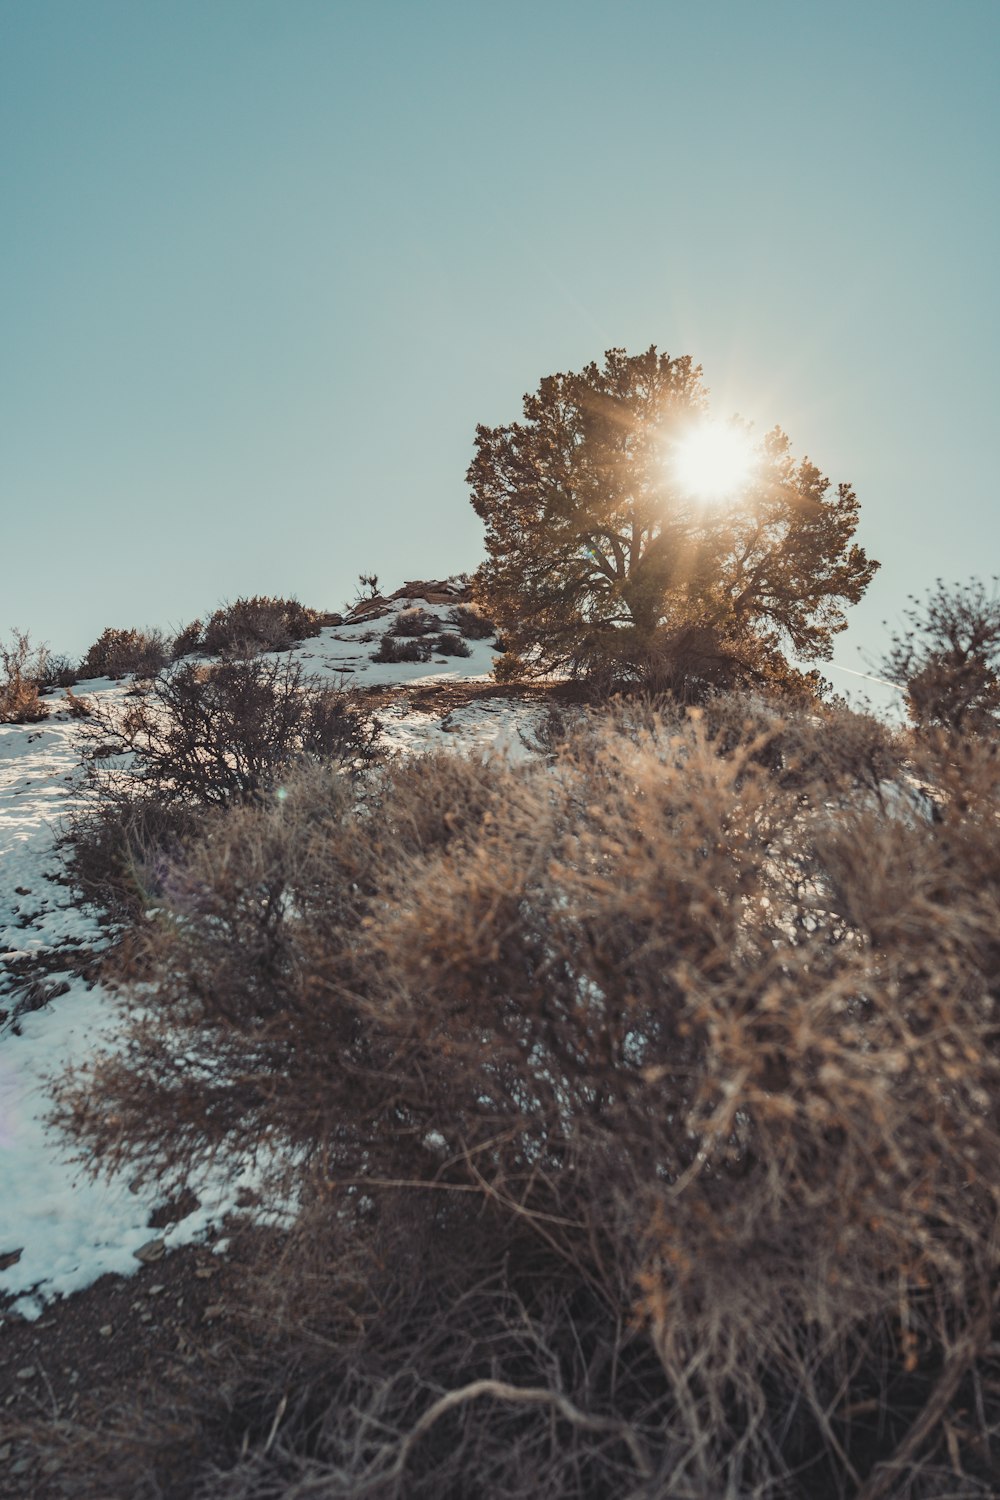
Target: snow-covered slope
[59, 1229]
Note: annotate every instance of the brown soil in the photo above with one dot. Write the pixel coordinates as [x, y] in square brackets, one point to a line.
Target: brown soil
[442, 697]
[72, 1381]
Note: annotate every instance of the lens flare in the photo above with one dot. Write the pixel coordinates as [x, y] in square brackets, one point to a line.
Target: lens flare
[713, 461]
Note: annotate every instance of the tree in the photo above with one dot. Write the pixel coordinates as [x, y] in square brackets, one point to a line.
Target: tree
[602, 561]
[947, 660]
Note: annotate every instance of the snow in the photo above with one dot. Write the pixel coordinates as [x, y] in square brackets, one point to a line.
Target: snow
[69, 1227]
[341, 654]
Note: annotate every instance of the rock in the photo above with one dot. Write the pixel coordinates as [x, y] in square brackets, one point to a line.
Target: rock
[217, 1310]
[10, 1258]
[367, 609]
[174, 1209]
[151, 1251]
[106, 1331]
[26, 1372]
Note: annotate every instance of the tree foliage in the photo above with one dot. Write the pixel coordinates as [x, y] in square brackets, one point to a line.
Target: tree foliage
[599, 562]
[947, 659]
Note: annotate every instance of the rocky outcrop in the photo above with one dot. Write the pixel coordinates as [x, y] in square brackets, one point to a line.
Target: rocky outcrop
[433, 591]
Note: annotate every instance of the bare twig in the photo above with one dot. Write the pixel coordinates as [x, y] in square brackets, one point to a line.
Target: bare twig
[499, 1390]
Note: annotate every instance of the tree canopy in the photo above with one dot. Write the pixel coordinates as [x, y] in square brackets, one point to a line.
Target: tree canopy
[604, 559]
[947, 659]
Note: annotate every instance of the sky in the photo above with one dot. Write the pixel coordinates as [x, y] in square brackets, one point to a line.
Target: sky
[264, 267]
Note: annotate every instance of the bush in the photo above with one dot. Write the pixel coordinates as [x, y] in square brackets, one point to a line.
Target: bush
[58, 672]
[639, 1103]
[450, 644]
[201, 738]
[414, 622]
[123, 653]
[212, 736]
[78, 708]
[117, 849]
[472, 622]
[23, 670]
[391, 649]
[249, 626]
[187, 641]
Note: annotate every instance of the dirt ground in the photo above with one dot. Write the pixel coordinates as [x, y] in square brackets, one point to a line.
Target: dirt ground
[80, 1369]
[442, 697]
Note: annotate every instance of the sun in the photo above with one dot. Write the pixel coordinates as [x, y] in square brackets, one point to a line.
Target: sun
[714, 460]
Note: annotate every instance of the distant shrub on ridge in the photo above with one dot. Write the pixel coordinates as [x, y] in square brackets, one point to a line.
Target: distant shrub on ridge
[123, 653]
[392, 649]
[22, 671]
[249, 626]
[472, 622]
[187, 641]
[947, 658]
[414, 622]
[450, 643]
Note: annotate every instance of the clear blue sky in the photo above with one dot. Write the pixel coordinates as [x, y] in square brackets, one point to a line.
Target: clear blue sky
[265, 265]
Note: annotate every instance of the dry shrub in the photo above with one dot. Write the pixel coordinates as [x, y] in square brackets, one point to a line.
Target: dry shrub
[391, 649]
[187, 641]
[22, 671]
[77, 707]
[449, 643]
[645, 1101]
[59, 671]
[414, 622]
[201, 737]
[214, 735]
[124, 653]
[472, 622]
[248, 626]
[118, 847]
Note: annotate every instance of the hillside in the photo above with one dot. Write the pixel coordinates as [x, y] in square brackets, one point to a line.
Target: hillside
[608, 1110]
[61, 1230]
